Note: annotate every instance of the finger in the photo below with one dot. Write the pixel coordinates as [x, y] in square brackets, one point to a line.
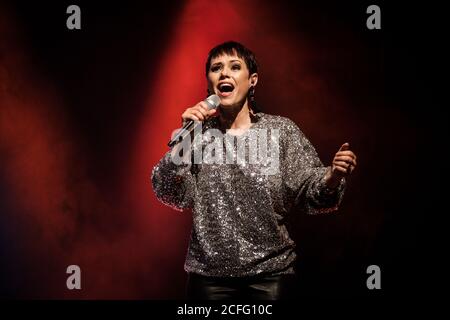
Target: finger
[203, 105]
[341, 170]
[212, 112]
[190, 116]
[342, 164]
[201, 110]
[345, 146]
[344, 168]
[198, 114]
[346, 159]
[346, 153]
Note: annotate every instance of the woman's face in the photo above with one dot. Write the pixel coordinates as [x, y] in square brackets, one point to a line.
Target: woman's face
[228, 77]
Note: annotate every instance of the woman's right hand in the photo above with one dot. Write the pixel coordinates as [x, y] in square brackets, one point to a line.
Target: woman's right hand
[199, 112]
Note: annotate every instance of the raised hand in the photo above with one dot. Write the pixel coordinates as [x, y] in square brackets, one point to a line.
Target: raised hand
[343, 164]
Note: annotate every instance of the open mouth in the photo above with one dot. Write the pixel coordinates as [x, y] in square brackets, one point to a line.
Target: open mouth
[225, 88]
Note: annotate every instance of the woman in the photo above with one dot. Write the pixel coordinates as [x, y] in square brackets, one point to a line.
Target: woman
[239, 246]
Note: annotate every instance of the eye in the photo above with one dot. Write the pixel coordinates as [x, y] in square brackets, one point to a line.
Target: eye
[236, 67]
[215, 68]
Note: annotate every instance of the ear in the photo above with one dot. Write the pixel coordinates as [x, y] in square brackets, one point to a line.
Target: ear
[253, 79]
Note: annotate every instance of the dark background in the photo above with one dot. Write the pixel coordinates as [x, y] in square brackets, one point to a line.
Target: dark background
[79, 109]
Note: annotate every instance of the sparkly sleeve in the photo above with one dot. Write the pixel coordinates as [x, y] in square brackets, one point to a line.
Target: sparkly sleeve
[173, 184]
[303, 175]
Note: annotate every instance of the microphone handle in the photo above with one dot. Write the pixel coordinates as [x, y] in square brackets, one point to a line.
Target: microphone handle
[188, 127]
[212, 101]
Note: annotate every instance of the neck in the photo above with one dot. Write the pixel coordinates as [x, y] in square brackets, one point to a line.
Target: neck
[235, 117]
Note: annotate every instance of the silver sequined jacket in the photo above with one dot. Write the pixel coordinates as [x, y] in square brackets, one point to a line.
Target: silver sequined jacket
[239, 213]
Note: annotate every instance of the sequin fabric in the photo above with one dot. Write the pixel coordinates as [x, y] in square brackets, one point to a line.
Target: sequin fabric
[239, 213]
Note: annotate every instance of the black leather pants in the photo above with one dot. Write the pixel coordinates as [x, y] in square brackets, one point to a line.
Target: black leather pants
[252, 288]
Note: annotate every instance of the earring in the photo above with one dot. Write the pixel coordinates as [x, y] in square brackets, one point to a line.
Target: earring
[251, 94]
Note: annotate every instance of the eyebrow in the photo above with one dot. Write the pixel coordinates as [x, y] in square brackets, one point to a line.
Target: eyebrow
[234, 60]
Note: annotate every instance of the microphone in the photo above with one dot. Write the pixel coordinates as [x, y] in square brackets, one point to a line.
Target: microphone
[213, 101]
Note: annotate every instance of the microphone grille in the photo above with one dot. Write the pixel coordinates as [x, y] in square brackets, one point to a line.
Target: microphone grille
[213, 101]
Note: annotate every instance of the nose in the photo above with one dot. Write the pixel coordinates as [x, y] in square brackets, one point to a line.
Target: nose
[224, 73]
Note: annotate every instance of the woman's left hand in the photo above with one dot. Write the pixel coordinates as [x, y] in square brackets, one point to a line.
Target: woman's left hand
[344, 162]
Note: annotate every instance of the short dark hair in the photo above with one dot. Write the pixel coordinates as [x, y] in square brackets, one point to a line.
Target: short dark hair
[231, 48]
